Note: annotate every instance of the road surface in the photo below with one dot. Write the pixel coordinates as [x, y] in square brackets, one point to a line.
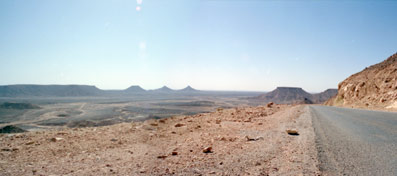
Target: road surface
[355, 142]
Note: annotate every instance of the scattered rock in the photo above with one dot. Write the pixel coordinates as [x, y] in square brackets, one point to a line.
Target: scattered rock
[29, 143]
[208, 150]
[62, 133]
[113, 140]
[292, 132]
[162, 156]
[218, 121]
[6, 149]
[179, 125]
[174, 153]
[154, 124]
[162, 120]
[253, 139]
[55, 139]
[269, 105]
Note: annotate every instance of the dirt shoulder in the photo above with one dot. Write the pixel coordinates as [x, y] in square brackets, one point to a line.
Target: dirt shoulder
[238, 141]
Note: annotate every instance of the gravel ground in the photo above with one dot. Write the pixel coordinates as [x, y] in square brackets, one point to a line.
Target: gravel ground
[238, 141]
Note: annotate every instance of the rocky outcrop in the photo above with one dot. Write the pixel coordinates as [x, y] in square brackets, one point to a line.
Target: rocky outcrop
[374, 87]
[295, 95]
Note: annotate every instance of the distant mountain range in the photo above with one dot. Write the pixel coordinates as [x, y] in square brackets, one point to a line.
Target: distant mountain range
[29, 90]
[295, 95]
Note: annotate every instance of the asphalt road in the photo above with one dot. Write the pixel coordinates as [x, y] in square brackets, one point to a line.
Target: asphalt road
[355, 142]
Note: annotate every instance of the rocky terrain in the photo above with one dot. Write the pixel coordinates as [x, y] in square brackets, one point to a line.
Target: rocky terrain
[375, 87]
[265, 140]
[295, 95]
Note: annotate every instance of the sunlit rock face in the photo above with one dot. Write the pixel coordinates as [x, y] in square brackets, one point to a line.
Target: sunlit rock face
[375, 86]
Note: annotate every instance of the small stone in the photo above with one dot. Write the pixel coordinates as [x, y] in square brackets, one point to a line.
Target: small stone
[253, 139]
[174, 153]
[218, 121]
[292, 132]
[55, 139]
[108, 165]
[154, 124]
[29, 143]
[207, 150]
[162, 120]
[162, 157]
[113, 140]
[179, 125]
[6, 149]
[269, 105]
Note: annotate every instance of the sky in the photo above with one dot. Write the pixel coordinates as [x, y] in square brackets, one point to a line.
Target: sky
[252, 45]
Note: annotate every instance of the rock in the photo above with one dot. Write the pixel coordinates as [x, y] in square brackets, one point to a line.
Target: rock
[179, 125]
[55, 139]
[292, 132]
[174, 153]
[162, 156]
[113, 140]
[218, 121]
[29, 143]
[162, 120]
[154, 124]
[253, 139]
[269, 105]
[6, 149]
[208, 150]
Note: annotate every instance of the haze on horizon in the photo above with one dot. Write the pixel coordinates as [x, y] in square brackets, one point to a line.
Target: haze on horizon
[207, 44]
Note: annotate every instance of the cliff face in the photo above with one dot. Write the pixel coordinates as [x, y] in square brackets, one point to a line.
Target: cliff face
[374, 87]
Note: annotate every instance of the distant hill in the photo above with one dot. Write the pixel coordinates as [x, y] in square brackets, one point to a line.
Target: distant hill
[188, 89]
[294, 95]
[48, 90]
[134, 89]
[374, 87]
[163, 89]
[324, 96]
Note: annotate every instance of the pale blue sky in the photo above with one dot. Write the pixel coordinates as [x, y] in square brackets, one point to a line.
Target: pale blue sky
[208, 44]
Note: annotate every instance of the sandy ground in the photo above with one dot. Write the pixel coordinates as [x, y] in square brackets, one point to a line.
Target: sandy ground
[238, 141]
